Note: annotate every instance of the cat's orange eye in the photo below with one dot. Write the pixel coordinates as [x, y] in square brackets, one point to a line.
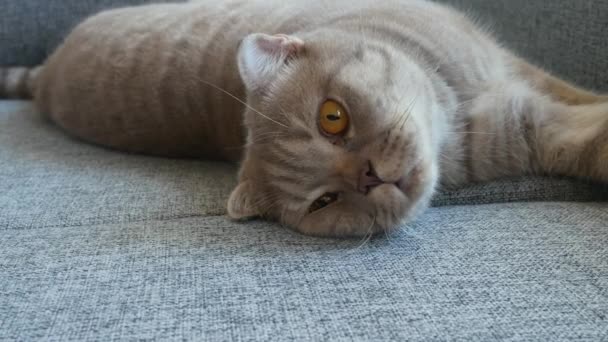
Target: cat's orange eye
[333, 118]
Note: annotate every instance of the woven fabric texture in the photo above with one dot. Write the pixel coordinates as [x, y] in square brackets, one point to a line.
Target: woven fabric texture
[517, 272]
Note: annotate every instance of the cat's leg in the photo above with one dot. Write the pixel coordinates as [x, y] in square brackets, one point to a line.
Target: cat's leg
[573, 140]
[514, 129]
[556, 88]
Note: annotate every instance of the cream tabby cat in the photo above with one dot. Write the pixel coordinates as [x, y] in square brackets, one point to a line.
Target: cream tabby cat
[356, 110]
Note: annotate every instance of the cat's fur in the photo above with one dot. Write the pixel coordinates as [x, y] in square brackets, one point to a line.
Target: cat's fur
[433, 100]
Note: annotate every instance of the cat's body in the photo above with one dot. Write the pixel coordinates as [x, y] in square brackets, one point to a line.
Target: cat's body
[149, 62]
[432, 99]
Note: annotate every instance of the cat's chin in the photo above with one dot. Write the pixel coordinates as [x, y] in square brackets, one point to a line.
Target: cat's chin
[403, 201]
[398, 205]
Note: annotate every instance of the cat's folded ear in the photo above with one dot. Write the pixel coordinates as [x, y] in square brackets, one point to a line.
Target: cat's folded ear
[241, 205]
[261, 57]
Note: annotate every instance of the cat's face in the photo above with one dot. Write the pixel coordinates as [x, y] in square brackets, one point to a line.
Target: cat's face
[341, 138]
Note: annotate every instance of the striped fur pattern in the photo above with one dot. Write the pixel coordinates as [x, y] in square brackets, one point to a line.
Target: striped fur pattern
[433, 101]
[17, 82]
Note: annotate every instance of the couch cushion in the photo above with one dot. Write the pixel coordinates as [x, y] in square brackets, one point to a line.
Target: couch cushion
[49, 179]
[524, 189]
[525, 272]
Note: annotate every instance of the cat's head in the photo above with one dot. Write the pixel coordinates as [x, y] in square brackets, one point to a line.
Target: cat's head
[341, 138]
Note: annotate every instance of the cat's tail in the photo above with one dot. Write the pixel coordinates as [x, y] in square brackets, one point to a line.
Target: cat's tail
[18, 82]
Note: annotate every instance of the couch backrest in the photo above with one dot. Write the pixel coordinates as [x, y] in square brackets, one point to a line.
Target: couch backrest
[31, 29]
[568, 37]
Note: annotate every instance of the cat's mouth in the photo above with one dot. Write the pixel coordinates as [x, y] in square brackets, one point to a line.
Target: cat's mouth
[408, 184]
[403, 184]
[370, 180]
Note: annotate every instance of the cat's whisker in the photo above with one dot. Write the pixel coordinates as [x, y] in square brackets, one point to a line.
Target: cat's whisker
[447, 156]
[456, 163]
[282, 110]
[368, 235]
[242, 102]
[387, 235]
[450, 160]
[272, 133]
[266, 136]
[459, 105]
[268, 202]
[268, 139]
[366, 238]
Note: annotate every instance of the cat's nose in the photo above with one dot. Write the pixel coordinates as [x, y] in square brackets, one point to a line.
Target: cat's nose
[368, 179]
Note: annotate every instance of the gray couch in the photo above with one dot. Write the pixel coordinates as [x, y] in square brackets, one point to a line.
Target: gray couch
[99, 245]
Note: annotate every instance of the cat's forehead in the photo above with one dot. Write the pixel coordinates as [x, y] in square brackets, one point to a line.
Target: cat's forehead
[368, 79]
[356, 71]
[369, 67]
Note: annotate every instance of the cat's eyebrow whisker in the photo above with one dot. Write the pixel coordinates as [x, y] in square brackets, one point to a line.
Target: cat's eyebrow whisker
[402, 119]
[407, 119]
[242, 102]
[412, 103]
[399, 118]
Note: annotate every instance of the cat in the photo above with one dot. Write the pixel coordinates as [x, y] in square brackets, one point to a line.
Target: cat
[345, 115]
